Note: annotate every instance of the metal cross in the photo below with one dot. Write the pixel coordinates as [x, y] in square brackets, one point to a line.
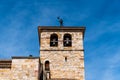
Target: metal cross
[60, 21]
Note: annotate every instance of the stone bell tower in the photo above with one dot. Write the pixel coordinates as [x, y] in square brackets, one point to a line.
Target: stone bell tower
[62, 52]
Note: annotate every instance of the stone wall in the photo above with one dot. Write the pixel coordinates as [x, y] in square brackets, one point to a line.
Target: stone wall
[5, 74]
[73, 68]
[22, 68]
[77, 41]
[5, 69]
[25, 69]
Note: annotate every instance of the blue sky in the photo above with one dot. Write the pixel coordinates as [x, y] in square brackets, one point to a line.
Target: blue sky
[19, 20]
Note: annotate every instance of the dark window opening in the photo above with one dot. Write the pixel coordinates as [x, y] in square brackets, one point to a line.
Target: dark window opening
[47, 67]
[54, 40]
[65, 59]
[67, 40]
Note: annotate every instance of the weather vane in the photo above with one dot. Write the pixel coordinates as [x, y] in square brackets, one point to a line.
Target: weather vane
[60, 21]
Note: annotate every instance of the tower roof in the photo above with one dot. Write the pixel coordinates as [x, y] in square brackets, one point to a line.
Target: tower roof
[58, 28]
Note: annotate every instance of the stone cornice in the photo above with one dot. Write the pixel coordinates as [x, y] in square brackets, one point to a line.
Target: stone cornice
[24, 57]
[61, 50]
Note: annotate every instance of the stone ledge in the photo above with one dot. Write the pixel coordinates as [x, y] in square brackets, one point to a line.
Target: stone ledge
[60, 50]
[25, 57]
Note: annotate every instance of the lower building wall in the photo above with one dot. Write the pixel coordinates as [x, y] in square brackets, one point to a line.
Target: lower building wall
[21, 69]
[5, 74]
[25, 69]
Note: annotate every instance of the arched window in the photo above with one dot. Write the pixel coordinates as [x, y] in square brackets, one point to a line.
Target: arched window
[54, 40]
[67, 42]
[47, 67]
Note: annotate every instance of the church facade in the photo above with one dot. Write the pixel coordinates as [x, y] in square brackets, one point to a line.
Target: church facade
[61, 57]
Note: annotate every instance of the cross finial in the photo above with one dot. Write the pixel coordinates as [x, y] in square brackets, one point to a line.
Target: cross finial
[60, 21]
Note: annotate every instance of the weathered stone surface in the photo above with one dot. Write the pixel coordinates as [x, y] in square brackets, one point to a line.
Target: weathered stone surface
[25, 69]
[21, 69]
[5, 74]
[60, 69]
[77, 41]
